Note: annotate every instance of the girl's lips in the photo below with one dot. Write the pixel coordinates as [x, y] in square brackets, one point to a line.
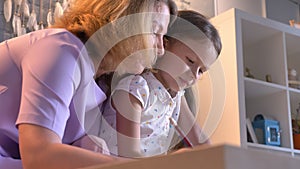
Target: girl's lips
[185, 83]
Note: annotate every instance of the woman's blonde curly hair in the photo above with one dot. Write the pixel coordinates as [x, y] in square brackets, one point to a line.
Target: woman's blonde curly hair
[84, 18]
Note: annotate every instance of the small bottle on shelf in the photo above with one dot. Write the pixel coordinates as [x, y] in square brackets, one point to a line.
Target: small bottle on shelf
[268, 78]
[292, 76]
[248, 73]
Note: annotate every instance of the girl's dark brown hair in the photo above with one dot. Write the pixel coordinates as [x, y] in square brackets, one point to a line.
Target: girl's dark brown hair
[201, 22]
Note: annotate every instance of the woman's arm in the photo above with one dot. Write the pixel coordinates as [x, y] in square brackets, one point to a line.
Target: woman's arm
[93, 143]
[189, 125]
[128, 110]
[42, 148]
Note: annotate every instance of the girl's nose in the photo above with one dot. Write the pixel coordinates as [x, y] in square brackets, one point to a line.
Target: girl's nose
[197, 73]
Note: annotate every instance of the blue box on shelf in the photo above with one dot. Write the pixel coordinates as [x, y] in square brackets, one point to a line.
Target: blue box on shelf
[266, 130]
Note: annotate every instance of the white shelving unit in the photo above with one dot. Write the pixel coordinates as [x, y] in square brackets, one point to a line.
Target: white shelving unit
[266, 47]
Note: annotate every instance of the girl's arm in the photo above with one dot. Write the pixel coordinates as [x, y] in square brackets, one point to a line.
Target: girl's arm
[128, 110]
[42, 148]
[189, 125]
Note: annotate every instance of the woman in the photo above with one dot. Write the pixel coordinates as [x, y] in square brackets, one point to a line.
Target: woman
[47, 85]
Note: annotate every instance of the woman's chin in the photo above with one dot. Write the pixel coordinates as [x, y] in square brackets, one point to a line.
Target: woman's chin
[131, 69]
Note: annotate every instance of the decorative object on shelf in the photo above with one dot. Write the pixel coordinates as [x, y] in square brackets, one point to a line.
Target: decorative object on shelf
[50, 14]
[65, 4]
[23, 16]
[58, 11]
[267, 130]
[32, 23]
[268, 78]
[25, 8]
[248, 73]
[293, 81]
[41, 23]
[296, 140]
[294, 84]
[295, 24]
[24, 12]
[7, 10]
[16, 20]
[292, 22]
[296, 128]
[23, 29]
[292, 74]
[16, 24]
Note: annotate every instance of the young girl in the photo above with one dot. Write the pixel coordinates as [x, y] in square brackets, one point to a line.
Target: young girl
[136, 121]
[47, 80]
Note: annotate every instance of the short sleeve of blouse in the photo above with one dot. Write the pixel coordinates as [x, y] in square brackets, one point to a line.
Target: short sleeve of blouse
[137, 86]
[49, 81]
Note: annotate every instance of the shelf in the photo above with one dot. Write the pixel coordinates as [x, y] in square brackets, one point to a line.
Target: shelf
[268, 147]
[293, 54]
[294, 90]
[264, 47]
[292, 43]
[297, 152]
[296, 84]
[254, 32]
[257, 88]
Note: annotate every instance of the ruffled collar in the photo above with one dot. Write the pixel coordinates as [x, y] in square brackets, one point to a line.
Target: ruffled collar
[158, 88]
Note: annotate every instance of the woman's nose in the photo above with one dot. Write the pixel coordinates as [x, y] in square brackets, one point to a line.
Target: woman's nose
[160, 50]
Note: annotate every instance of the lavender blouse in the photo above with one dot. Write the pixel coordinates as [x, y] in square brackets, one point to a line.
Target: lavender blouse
[46, 79]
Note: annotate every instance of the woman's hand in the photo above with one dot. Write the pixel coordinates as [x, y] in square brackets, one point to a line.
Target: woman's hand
[42, 148]
[93, 143]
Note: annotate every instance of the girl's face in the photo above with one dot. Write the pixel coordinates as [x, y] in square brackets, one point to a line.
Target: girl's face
[181, 67]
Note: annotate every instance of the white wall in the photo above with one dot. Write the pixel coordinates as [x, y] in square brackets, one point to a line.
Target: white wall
[282, 10]
[279, 10]
[206, 7]
[251, 6]
[211, 8]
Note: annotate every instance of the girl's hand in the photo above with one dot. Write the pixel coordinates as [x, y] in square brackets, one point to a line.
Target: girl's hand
[182, 150]
[188, 149]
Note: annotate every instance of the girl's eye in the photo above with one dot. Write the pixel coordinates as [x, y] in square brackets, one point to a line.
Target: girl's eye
[190, 60]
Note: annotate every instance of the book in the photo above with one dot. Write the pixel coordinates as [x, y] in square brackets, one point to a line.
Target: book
[251, 137]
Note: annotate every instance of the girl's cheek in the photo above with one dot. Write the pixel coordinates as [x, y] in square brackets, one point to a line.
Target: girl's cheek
[172, 65]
